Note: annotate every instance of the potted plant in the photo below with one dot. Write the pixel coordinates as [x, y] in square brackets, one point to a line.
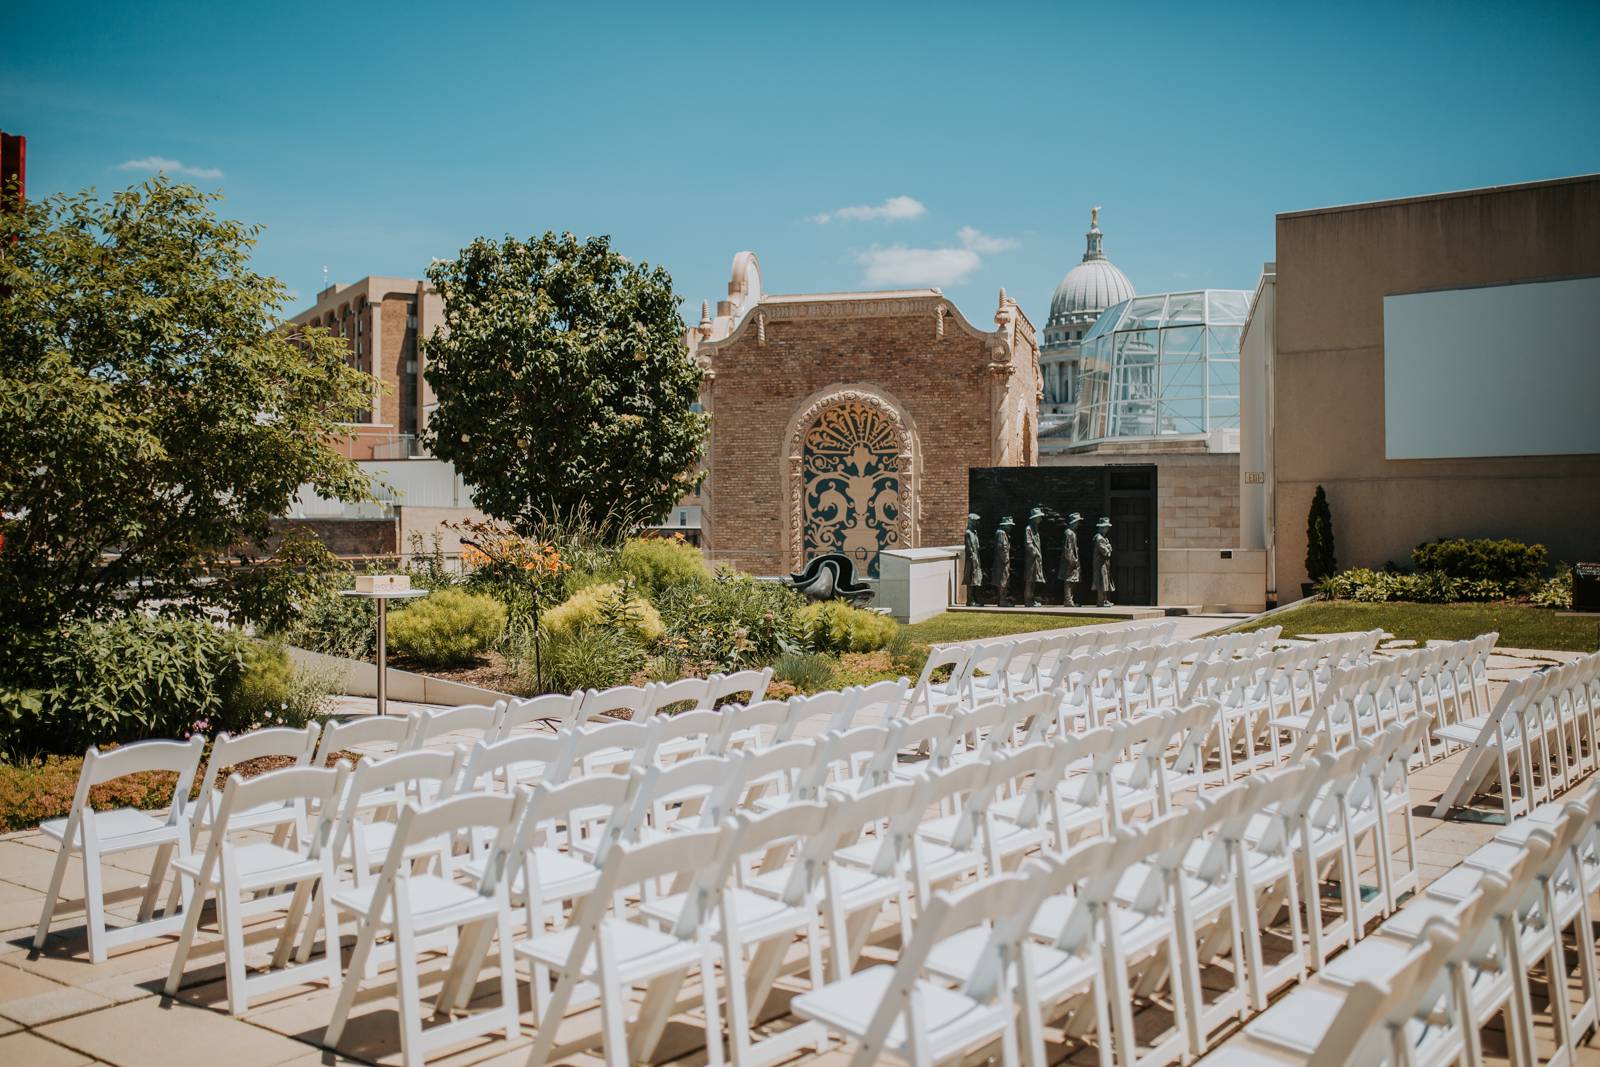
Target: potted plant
[1320, 561]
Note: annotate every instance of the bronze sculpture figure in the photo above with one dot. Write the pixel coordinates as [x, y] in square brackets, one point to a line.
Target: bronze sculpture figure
[1102, 564]
[1000, 572]
[974, 562]
[1071, 569]
[1032, 559]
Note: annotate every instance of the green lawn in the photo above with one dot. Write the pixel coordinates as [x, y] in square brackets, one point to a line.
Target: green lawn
[970, 625]
[1519, 625]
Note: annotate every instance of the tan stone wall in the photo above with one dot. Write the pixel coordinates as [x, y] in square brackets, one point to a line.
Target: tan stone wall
[1334, 269]
[944, 389]
[1197, 493]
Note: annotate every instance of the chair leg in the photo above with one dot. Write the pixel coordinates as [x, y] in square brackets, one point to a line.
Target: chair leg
[191, 926]
[544, 1038]
[152, 890]
[291, 922]
[94, 906]
[230, 908]
[410, 995]
[348, 989]
[48, 911]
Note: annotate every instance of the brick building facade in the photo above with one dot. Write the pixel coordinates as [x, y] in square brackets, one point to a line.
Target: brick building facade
[383, 321]
[847, 421]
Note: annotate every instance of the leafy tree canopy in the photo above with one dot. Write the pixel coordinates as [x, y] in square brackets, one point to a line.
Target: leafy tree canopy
[155, 413]
[564, 388]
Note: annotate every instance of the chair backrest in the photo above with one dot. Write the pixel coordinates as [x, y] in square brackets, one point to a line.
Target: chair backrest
[622, 702]
[777, 836]
[480, 721]
[616, 743]
[986, 666]
[228, 751]
[702, 790]
[501, 765]
[496, 817]
[383, 786]
[293, 790]
[695, 853]
[556, 710]
[180, 757]
[815, 714]
[997, 904]
[387, 734]
[594, 806]
[672, 697]
[744, 687]
[927, 689]
[701, 725]
[878, 704]
[750, 721]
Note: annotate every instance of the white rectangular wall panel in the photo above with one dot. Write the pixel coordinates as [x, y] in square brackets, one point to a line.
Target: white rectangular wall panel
[1508, 370]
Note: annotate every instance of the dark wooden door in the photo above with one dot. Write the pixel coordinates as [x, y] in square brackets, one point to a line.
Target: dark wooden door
[1131, 500]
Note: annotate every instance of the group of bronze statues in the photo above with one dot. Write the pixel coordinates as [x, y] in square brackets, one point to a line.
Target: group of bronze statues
[1033, 579]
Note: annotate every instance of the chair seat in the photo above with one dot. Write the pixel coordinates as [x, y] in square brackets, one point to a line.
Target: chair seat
[258, 816]
[1055, 972]
[759, 915]
[858, 887]
[1299, 1021]
[638, 952]
[561, 876]
[955, 1021]
[1467, 732]
[435, 902]
[118, 830]
[260, 864]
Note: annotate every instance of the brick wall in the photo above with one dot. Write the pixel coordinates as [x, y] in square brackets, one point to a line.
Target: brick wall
[961, 412]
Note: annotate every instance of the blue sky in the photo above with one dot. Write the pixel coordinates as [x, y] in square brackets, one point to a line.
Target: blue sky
[371, 138]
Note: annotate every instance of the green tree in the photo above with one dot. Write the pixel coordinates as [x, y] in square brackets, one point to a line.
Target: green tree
[155, 413]
[564, 388]
[1320, 561]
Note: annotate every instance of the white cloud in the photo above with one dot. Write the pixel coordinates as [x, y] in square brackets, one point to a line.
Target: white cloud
[899, 265]
[982, 243]
[894, 209]
[151, 164]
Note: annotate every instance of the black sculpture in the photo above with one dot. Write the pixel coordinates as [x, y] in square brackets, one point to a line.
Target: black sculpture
[1032, 559]
[831, 576]
[974, 562]
[1001, 571]
[1102, 564]
[1071, 568]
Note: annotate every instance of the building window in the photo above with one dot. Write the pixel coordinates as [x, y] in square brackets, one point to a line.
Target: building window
[360, 348]
[411, 321]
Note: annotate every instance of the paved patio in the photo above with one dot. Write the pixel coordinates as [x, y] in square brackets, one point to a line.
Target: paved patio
[58, 1010]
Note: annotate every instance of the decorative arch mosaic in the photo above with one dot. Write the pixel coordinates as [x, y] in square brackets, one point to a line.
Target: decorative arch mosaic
[851, 485]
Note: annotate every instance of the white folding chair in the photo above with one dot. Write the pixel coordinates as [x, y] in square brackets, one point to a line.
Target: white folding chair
[933, 695]
[410, 906]
[902, 1012]
[615, 952]
[669, 698]
[622, 702]
[370, 735]
[95, 835]
[553, 711]
[228, 751]
[743, 687]
[466, 724]
[238, 863]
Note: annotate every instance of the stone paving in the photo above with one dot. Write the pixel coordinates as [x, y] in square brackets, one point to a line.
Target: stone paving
[58, 1009]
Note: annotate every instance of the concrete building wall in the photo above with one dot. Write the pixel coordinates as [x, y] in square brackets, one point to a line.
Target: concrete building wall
[1334, 267]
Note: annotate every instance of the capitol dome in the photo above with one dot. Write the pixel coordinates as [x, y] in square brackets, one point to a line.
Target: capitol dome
[1092, 286]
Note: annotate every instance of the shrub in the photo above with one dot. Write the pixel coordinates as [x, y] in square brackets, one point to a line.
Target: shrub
[273, 692]
[1428, 587]
[35, 790]
[732, 621]
[659, 563]
[118, 680]
[808, 672]
[336, 626]
[591, 657]
[609, 603]
[834, 626]
[449, 627]
[1511, 563]
[1555, 592]
[1320, 560]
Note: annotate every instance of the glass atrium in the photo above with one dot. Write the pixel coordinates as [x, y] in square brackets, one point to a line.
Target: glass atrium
[1162, 365]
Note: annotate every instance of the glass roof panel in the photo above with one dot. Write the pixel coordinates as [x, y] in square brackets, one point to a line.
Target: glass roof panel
[1186, 307]
[1227, 306]
[1144, 312]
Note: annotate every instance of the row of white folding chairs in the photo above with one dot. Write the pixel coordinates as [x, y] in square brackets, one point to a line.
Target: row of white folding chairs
[1017, 662]
[1361, 699]
[1116, 919]
[1463, 954]
[1535, 743]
